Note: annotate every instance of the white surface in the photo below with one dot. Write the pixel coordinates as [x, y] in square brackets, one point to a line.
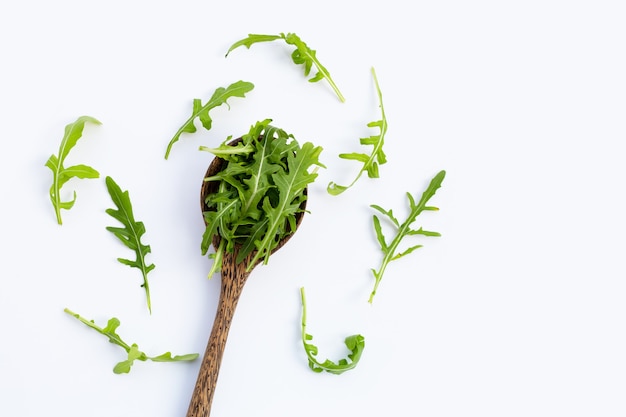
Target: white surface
[518, 310]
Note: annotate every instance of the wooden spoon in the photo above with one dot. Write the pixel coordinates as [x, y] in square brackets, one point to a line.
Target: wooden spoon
[234, 276]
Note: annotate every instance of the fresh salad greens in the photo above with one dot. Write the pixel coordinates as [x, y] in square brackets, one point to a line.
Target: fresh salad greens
[200, 111]
[390, 250]
[133, 351]
[130, 234]
[376, 157]
[355, 343]
[258, 196]
[60, 174]
[302, 55]
[260, 192]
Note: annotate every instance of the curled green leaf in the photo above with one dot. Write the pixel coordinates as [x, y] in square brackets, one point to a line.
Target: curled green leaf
[376, 157]
[200, 111]
[354, 343]
[60, 174]
[131, 234]
[132, 351]
[302, 55]
[390, 250]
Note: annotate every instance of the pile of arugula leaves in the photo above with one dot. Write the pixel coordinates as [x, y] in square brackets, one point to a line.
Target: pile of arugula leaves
[261, 190]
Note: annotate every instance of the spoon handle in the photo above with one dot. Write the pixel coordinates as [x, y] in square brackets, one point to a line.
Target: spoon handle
[234, 277]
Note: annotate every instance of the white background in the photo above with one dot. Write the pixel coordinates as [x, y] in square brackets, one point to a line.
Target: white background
[517, 310]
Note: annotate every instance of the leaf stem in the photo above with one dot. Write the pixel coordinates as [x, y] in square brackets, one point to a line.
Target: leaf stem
[113, 337]
[328, 78]
[147, 288]
[57, 208]
[303, 300]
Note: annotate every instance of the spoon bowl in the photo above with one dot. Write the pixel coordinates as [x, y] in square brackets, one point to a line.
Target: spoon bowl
[233, 278]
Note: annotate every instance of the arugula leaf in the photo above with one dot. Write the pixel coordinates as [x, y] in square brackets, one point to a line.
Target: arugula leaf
[302, 55]
[60, 174]
[354, 343]
[133, 352]
[376, 157]
[390, 250]
[200, 111]
[130, 234]
[289, 185]
[260, 192]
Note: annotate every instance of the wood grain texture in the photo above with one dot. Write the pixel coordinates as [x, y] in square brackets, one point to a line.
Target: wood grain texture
[234, 277]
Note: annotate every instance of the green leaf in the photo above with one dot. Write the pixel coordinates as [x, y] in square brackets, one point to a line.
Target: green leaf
[218, 221]
[302, 55]
[132, 351]
[218, 258]
[201, 112]
[223, 151]
[421, 231]
[289, 185]
[354, 343]
[110, 331]
[60, 174]
[375, 158]
[80, 171]
[167, 357]
[255, 235]
[131, 234]
[390, 251]
[133, 354]
[260, 169]
[251, 40]
[388, 213]
[406, 252]
[379, 234]
[361, 157]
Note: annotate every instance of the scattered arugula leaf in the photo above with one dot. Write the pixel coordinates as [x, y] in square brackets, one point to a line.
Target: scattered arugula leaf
[260, 192]
[60, 174]
[355, 343]
[371, 161]
[390, 251]
[219, 97]
[133, 351]
[130, 234]
[302, 55]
